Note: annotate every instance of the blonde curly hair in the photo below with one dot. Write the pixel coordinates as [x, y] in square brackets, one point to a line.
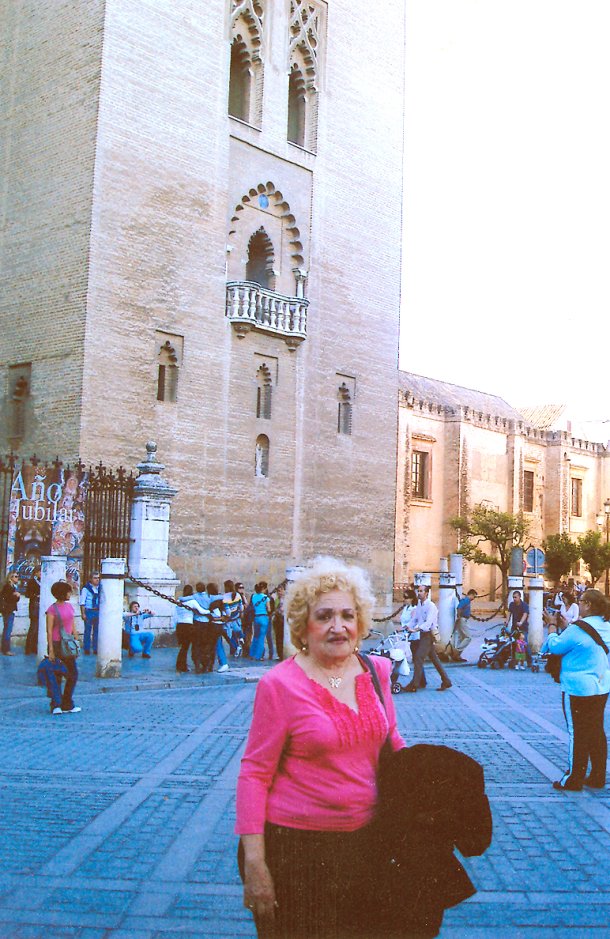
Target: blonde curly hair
[325, 574]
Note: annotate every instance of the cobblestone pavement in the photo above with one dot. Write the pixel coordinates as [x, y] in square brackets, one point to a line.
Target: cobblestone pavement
[118, 821]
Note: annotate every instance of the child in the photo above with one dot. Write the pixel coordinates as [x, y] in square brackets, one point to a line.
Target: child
[520, 651]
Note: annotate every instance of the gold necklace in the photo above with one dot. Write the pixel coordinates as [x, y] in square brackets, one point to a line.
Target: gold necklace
[333, 680]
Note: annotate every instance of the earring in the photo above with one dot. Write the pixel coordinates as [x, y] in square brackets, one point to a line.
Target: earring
[356, 648]
[304, 649]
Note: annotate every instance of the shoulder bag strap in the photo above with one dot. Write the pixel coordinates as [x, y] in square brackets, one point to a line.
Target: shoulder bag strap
[365, 660]
[591, 631]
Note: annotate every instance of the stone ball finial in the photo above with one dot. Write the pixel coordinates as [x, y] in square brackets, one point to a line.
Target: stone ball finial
[151, 449]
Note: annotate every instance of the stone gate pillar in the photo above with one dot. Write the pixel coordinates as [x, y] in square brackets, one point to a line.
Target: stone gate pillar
[149, 548]
[535, 601]
[52, 569]
[112, 585]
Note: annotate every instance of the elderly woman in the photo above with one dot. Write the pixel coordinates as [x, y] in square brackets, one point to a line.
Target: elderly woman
[585, 683]
[307, 790]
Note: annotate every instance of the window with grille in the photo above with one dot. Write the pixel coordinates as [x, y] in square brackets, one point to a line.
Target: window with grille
[528, 491]
[577, 497]
[420, 471]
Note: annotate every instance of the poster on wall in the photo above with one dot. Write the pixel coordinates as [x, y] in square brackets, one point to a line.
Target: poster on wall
[46, 517]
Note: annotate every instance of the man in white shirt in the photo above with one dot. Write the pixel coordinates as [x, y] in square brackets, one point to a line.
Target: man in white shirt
[425, 619]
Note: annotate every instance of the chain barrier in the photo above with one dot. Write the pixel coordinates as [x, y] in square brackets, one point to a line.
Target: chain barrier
[386, 619]
[164, 596]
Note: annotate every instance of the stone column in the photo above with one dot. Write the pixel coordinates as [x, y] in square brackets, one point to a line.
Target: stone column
[422, 580]
[112, 584]
[456, 567]
[149, 546]
[535, 601]
[446, 597]
[52, 569]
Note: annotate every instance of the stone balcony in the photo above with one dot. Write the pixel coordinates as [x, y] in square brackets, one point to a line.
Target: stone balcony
[250, 306]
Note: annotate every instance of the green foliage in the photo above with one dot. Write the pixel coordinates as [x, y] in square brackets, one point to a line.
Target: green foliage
[595, 552]
[501, 531]
[560, 553]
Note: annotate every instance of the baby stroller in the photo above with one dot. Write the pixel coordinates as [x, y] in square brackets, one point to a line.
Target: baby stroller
[497, 651]
[395, 647]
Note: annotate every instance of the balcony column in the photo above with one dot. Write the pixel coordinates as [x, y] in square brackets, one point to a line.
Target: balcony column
[300, 276]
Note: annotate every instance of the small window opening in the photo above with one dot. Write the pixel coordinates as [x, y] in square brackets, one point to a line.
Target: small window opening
[261, 456]
[528, 491]
[167, 378]
[259, 266]
[420, 487]
[344, 413]
[240, 81]
[296, 107]
[264, 391]
[21, 392]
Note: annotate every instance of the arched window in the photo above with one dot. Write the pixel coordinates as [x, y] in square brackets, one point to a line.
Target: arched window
[259, 266]
[344, 412]
[296, 107]
[261, 456]
[167, 377]
[264, 391]
[240, 80]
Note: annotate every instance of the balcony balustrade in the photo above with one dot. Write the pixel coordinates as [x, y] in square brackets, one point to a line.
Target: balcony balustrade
[250, 306]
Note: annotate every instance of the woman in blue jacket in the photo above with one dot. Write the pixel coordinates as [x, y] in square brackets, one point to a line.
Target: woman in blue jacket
[585, 683]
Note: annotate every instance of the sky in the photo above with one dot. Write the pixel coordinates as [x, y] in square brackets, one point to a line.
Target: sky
[506, 253]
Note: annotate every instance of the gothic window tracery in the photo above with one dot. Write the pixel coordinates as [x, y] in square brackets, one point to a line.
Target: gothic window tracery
[246, 72]
[305, 32]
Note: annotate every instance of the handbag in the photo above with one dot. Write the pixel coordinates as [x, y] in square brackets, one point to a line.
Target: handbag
[436, 636]
[553, 663]
[70, 647]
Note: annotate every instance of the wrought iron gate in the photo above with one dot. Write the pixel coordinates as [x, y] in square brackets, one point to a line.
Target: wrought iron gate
[107, 518]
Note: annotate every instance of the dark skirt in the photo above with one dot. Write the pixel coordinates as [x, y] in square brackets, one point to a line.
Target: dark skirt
[321, 881]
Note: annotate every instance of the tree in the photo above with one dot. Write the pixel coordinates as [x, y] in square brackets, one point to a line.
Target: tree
[560, 553]
[501, 530]
[595, 553]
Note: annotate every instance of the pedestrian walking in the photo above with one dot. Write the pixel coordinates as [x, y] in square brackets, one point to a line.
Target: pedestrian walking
[277, 620]
[307, 790]
[9, 600]
[60, 620]
[585, 683]
[90, 612]
[461, 637]
[406, 622]
[140, 640]
[425, 620]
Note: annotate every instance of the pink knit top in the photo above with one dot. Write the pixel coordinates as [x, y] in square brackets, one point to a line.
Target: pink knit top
[310, 760]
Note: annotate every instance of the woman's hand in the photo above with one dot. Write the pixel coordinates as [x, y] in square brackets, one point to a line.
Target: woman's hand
[259, 892]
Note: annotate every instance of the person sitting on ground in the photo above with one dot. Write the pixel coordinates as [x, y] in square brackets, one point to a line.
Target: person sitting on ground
[60, 616]
[139, 639]
[461, 634]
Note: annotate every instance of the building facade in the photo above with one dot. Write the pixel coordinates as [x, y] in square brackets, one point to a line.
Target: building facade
[459, 448]
[201, 246]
